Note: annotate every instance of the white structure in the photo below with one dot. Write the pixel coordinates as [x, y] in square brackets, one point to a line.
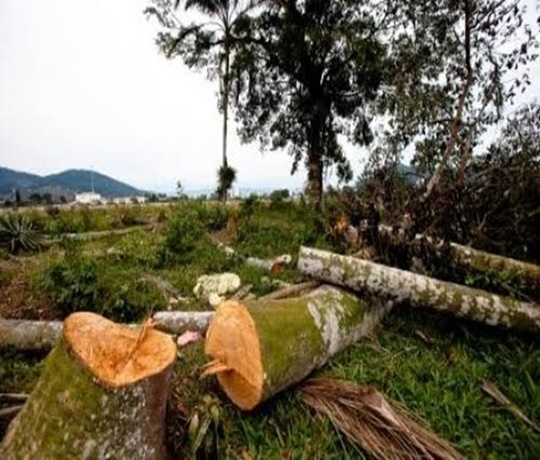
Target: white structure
[88, 198]
[130, 200]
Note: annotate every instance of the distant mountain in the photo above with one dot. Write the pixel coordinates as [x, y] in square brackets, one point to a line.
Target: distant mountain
[70, 181]
[10, 179]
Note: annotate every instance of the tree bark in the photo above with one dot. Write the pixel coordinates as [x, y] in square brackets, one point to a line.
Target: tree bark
[262, 347]
[43, 335]
[290, 291]
[274, 265]
[399, 286]
[226, 99]
[524, 276]
[102, 394]
[314, 162]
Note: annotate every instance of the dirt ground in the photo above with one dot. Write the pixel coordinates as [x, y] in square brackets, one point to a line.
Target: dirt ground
[19, 298]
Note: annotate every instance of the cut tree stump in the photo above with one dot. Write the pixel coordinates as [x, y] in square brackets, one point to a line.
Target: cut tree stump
[27, 335]
[102, 394]
[262, 347]
[400, 286]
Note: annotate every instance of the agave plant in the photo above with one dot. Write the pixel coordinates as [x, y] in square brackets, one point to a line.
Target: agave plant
[17, 233]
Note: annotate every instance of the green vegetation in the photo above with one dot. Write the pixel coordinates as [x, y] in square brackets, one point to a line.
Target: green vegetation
[439, 381]
[17, 234]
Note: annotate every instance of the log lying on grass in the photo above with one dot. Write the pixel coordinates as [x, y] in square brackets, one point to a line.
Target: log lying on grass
[89, 236]
[43, 335]
[261, 347]
[102, 394]
[274, 265]
[418, 291]
[525, 277]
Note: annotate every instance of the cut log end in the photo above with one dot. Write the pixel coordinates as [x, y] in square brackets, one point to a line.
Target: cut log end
[236, 356]
[117, 355]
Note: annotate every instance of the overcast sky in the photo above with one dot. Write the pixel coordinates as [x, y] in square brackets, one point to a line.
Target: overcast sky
[83, 86]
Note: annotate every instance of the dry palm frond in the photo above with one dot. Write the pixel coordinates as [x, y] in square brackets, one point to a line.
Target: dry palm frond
[382, 427]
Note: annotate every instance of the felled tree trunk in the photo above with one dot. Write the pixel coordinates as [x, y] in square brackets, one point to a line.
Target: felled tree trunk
[401, 286]
[102, 394]
[29, 335]
[262, 347]
[274, 265]
[87, 236]
[524, 276]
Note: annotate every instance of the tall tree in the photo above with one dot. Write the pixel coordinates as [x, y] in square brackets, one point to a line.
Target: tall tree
[310, 71]
[454, 66]
[206, 41]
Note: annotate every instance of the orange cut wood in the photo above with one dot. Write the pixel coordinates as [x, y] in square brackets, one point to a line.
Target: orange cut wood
[102, 393]
[116, 354]
[261, 347]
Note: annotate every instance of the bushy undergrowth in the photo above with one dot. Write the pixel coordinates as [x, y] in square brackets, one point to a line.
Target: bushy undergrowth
[56, 221]
[438, 381]
[79, 282]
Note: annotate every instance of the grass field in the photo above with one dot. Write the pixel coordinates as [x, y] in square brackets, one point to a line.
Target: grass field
[439, 381]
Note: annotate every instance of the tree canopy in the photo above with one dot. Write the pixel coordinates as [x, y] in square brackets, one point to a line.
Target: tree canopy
[304, 75]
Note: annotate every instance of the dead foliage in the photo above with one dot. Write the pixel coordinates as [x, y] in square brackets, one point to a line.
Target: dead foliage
[378, 425]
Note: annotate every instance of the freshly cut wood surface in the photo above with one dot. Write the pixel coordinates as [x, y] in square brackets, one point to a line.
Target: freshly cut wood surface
[115, 354]
[261, 347]
[102, 394]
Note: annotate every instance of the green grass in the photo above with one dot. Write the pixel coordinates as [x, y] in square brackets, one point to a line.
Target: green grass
[440, 382]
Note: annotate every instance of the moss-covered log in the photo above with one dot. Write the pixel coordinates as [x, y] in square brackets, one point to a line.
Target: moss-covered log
[102, 394]
[29, 335]
[520, 276]
[401, 286]
[261, 347]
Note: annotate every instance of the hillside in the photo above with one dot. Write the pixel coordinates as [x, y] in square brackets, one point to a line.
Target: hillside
[72, 180]
[10, 179]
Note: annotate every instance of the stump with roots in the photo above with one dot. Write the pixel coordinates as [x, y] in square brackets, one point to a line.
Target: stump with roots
[102, 394]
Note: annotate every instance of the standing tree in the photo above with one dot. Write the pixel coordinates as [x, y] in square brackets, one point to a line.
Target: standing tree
[310, 70]
[206, 43]
[454, 65]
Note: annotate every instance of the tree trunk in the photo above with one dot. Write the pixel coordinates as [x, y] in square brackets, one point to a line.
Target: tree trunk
[315, 165]
[274, 266]
[102, 394]
[226, 102]
[523, 276]
[262, 347]
[43, 335]
[401, 286]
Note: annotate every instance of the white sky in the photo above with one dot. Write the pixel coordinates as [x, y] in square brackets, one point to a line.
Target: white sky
[82, 86]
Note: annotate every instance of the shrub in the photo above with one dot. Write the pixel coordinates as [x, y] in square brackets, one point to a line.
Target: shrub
[79, 283]
[249, 206]
[216, 217]
[181, 235]
[137, 247]
[278, 197]
[74, 284]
